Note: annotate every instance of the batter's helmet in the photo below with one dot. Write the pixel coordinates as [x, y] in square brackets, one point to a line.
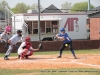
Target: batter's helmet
[62, 29]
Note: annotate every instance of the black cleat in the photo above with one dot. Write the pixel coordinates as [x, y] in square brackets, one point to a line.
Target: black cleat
[6, 58]
[18, 56]
[75, 57]
[59, 57]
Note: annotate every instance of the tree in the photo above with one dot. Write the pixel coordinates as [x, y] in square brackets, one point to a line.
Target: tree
[80, 6]
[23, 8]
[20, 8]
[35, 6]
[66, 7]
[3, 4]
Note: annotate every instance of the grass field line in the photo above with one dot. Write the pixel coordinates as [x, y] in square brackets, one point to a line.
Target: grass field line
[70, 62]
[81, 63]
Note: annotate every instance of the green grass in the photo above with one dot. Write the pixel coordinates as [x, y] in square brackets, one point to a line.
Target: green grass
[70, 71]
[94, 51]
[62, 71]
[68, 52]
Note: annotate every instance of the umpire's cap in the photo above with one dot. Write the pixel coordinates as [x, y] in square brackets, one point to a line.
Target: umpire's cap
[19, 31]
[62, 29]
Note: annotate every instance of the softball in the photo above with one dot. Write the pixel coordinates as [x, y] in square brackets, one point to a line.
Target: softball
[66, 45]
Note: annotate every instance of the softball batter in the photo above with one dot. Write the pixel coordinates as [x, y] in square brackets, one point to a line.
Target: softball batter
[66, 40]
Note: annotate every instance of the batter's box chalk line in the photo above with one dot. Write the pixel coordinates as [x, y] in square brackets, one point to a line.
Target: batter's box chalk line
[81, 63]
[52, 59]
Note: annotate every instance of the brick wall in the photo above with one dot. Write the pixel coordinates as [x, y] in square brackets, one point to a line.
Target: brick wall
[55, 45]
[94, 28]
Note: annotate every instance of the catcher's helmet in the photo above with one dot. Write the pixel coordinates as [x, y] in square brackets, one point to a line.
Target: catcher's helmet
[27, 38]
[62, 29]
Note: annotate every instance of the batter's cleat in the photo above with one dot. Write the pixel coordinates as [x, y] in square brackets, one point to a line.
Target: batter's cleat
[6, 58]
[59, 57]
[75, 57]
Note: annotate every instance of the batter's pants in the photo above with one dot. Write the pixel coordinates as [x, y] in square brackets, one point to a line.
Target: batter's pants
[70, 47]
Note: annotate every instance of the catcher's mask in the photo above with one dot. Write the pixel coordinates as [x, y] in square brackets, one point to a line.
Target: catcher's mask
[27, 38]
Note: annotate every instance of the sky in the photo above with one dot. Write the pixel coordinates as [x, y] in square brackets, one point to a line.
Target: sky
[46, 3]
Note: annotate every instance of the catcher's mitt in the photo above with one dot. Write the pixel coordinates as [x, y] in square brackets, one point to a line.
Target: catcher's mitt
[40, 46]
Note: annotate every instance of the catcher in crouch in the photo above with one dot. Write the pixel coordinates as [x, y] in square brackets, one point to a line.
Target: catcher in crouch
[26, 49]
[66, 40]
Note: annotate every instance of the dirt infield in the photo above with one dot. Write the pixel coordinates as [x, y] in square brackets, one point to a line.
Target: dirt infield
[50, 61]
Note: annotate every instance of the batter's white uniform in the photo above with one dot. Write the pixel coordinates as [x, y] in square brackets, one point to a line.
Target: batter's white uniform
[20, 50]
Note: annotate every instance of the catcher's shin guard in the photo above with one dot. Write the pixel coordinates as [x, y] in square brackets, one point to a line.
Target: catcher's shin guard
[23, 54]
[31, 53]
[26, 56]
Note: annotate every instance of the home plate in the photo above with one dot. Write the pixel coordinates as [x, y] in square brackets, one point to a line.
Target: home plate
[52, 59]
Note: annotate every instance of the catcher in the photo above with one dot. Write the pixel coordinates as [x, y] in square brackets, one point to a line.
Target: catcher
[25, 50]
[66, 41]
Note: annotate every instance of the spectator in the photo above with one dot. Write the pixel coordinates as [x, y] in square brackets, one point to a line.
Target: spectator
[8, 29]
[4, 38]
[1, 30]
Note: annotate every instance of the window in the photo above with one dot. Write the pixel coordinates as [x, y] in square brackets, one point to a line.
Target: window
[48, 27]
[45, 27]
[35, 27]
[88, 30]
[29, 23]
[88, 33]
[54, 26]
[35, 31]
[42, 27]
[88, 21]
[48, 30]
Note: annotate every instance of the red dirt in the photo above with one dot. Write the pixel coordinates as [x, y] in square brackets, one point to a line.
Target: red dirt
[50, 61]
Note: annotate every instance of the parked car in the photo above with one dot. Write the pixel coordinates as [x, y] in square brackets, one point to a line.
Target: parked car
[48, 39]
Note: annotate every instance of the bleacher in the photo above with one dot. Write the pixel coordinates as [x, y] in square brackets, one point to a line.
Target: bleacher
[3, 22]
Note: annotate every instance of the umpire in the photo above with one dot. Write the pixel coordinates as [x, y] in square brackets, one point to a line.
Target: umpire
[67, 40]
[12, 43]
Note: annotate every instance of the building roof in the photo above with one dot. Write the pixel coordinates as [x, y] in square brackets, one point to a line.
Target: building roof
[96, 9]
[95, 14]
[51, 9]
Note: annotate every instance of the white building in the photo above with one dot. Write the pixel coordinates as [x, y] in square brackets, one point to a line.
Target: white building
[50, 24]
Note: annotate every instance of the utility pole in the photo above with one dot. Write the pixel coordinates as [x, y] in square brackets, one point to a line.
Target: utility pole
[88, 4]
[39, 20]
